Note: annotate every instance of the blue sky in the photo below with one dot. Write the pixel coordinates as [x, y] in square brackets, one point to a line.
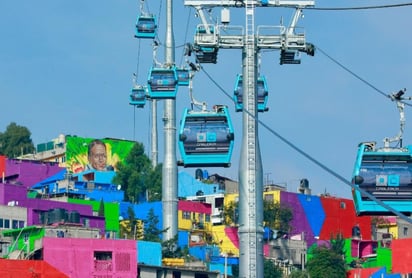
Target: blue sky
[66, 67]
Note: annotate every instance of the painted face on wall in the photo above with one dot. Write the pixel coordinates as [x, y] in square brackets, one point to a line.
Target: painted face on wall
[98, 157]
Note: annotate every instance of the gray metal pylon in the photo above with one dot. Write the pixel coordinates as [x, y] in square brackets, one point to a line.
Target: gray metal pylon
[250, 169]
[169, 170]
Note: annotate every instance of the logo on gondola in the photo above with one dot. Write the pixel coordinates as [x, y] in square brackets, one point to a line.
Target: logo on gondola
[387, 180]
[206, 137]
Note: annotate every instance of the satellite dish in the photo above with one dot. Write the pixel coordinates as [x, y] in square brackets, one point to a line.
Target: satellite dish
[119, 187]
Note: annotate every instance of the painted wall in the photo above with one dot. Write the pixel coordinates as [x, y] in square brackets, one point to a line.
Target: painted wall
[150, 253]
[28, 269]
[77, 152]
[11, 192]
[2, 165]
[340, 217]
[402, 256]
[30, 172]
[361, 272]
[300, 223]
[384, 258]
[111, 212]
[77, 257]
[24, 239]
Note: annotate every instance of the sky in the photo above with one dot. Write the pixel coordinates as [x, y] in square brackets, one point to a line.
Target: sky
[66, 67]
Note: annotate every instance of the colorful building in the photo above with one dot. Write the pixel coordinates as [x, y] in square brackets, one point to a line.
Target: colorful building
[78, 258]
[87, 210]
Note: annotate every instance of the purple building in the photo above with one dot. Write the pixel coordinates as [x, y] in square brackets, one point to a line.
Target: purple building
[21, 175]
[26, 172]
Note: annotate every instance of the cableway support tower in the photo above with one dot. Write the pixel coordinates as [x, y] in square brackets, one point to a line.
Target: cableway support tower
[208, 39]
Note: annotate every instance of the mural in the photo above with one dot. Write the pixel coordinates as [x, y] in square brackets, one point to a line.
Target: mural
[84, 154]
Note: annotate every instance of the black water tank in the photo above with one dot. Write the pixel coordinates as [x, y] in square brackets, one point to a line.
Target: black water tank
[44, 218]
[356, 233]
[74, 217]
[57, 215]
[304, 183]
[199, 174]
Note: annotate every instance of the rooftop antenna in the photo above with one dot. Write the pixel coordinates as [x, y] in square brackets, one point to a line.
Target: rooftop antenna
[398, 97]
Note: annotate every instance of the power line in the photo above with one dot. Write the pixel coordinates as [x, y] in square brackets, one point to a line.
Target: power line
[361, 8]
[312, 159]
[351, 72]
[356, 75]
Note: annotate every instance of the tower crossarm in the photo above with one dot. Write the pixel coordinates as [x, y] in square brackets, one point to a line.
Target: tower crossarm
[202, 16]
[294, 21]
[282, 37]
[255, 3]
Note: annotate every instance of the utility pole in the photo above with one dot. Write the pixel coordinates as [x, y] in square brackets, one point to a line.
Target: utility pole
[154, 134]
[250, 169]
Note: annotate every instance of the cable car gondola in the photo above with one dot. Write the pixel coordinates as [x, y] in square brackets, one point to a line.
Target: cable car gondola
[162, 83]
[206, 55]
[386, 174]
[206, 44]
[206, 138]
[138, 96]
[183, 76]
[146, 27]
[262, 94]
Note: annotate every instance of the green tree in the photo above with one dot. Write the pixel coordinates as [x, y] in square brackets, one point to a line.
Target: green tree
[297, 273]
[16, 141]
[230, 213]
[326, 263]
[154, 191]
[128, 228]
[170, 249]
[151, 231]
[338, 244]
[137, 176]
[277, 216]
[271, 270]
[101, 208]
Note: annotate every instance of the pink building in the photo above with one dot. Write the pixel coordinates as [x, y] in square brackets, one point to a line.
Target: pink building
[78, 258]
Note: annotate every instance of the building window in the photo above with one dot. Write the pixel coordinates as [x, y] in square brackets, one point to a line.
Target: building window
[405, 231]
[186, 215]
[342, 205]
[21, 224]
[14, 224]
[103, 255]
[103, 261]
[219, 202]
[1, 223]
[269, 198]
[7, 223]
